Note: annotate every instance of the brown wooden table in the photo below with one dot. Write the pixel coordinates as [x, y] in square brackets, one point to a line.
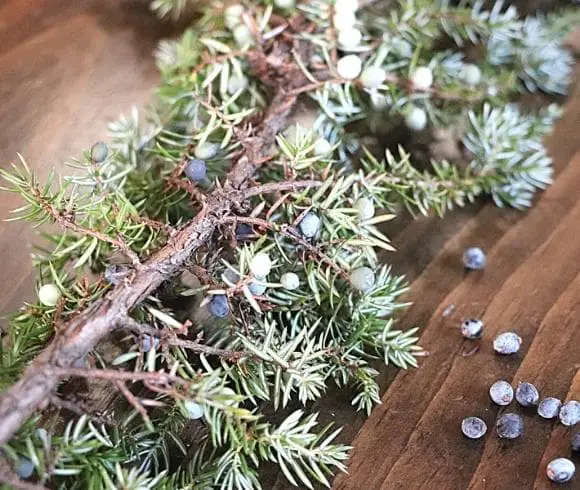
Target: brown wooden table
[67, 67]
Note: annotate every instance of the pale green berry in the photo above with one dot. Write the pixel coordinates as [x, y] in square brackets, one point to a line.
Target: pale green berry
[471, 75]
[349, 38]
[349, 67]
[362, 279]
[242, 35]
[99, 152]
[49, 294]
[365, 208]
[285, 4]
[416, 119]
[233, 16]
[344, 19]
[194, 410]
[207, 150]
[322, 147]
[290, 281]
[372, 77]
[260, 265]
[237, 82]
[422, 78]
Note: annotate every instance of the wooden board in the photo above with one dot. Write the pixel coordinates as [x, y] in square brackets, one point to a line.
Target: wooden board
[68, 67]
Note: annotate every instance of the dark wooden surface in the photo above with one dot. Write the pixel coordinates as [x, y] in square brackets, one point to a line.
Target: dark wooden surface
[69, 66]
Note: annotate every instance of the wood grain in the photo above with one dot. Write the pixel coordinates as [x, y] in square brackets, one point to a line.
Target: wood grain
[68, 67]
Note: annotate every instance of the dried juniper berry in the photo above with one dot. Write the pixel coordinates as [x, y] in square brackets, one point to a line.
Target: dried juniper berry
[575, 444]
[509, 426]
[472, 328]
[570, 413]
[218, 306]
[501, 392]
[99, 152]
[196, 170]
[474, 258]
[527, 395]
[507, 343]
[473, 427]
[549, 407]
[560, 470]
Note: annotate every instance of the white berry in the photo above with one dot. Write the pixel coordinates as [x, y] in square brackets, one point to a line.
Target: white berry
[322, 147]
[561, 470]
[49, 294]
[346, 5]
[344, 19]
[237, 82]
[570, 413]
[471, 74]
[260, 265]
[422, 78]
[365, 208]
[243, 35]
[207, 150]
[363, 279]
[290, 281]
[416, 119]
[349, 38]
[372, 77]
[310, 225]
[349, 67]
[194, 410]
[285, 4]
[233, 16]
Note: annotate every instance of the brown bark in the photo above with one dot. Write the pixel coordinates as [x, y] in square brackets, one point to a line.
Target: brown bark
[84, 332]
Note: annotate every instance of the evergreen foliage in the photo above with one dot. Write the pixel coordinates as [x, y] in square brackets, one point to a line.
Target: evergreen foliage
[279, 347]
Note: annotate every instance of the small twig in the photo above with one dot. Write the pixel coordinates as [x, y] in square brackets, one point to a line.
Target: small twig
[158, 377]
[132, 399]
[73, 407]
[67, 222]
[279, 186]
[169, 338]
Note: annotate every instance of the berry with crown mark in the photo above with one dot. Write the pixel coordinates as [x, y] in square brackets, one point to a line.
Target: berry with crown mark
[527, 395]
[510, 426]
[507, 343]
[99, 152]
[501, 392]
[472, 328]
[196, 170]
[560, 470]
[549, 407]
[219, 306]
[309, 225]
[570, 413]
[474, 258]
[473, 427]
